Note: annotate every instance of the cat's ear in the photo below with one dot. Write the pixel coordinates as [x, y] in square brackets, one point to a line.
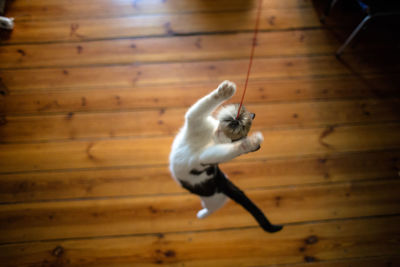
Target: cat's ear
[252, 115]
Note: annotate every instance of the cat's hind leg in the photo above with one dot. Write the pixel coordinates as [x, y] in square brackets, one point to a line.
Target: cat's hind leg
[211, 204]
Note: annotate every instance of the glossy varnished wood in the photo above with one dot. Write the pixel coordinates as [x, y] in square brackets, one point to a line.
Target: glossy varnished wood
[167, 121]
[153, 180]
[188, 72]
[178, 48]
[175, 213]
[22, 157]
[160, 24]
[92, 93]
[50, 10]
[321, 241]
[183, 95]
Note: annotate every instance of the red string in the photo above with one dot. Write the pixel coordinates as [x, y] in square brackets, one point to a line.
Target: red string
[251, 54]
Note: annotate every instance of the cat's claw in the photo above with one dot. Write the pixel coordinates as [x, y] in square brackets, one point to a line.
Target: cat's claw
[226, 90]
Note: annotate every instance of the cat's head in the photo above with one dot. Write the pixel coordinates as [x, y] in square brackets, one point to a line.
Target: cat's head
[233, 128]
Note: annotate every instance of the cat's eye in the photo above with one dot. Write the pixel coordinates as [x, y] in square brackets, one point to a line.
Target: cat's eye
[253, 115]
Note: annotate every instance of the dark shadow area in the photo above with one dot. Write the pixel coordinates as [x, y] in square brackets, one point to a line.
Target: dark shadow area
[376, 46]
[345, 16]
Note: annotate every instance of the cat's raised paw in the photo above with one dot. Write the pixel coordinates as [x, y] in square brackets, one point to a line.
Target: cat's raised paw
[225, 90]
[252, 143]
[257, 137]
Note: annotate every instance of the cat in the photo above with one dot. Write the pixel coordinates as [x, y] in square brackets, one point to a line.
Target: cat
[204, 142]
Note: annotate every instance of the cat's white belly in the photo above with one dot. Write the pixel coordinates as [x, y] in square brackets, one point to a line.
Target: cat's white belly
[184, 157]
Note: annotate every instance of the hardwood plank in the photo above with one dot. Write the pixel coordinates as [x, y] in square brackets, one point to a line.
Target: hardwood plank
[187, 72]
[153, 180]
[3, 108]
[77, 191]
[50, 10]
[179, 48]
[368, 261]
[168, 121]
[150, 151]
[259, 91]
[176, 213]
[155, 25]
[96, 125]
[296, 244]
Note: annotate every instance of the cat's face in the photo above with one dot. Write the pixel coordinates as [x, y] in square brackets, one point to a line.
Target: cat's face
[233, 128]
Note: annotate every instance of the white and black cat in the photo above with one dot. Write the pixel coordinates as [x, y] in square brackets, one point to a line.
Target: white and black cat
[204, 142]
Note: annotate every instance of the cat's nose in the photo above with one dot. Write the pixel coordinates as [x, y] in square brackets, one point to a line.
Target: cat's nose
[234, 124]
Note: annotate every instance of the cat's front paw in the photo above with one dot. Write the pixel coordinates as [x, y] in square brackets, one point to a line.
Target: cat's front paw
[225, 90]
[252, 143]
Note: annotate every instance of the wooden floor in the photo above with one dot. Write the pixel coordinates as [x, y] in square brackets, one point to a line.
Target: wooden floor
[93, 92]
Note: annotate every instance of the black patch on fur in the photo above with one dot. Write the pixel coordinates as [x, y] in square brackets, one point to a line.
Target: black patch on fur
[196, 172]
[206, 188]
[234, 193]
[219, 183]
[210, 170]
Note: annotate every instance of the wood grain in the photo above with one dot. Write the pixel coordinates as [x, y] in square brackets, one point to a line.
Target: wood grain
[383, 261]
[181, 95]
[50, 10]
[296, 244]
[187, 72]
[178, 48]
[92, 93]
[155, 214]
[150, 151]
[168, 121]
[161, 24]
[141, 181]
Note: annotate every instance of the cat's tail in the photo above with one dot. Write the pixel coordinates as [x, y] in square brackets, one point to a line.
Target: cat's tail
[234, 193]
